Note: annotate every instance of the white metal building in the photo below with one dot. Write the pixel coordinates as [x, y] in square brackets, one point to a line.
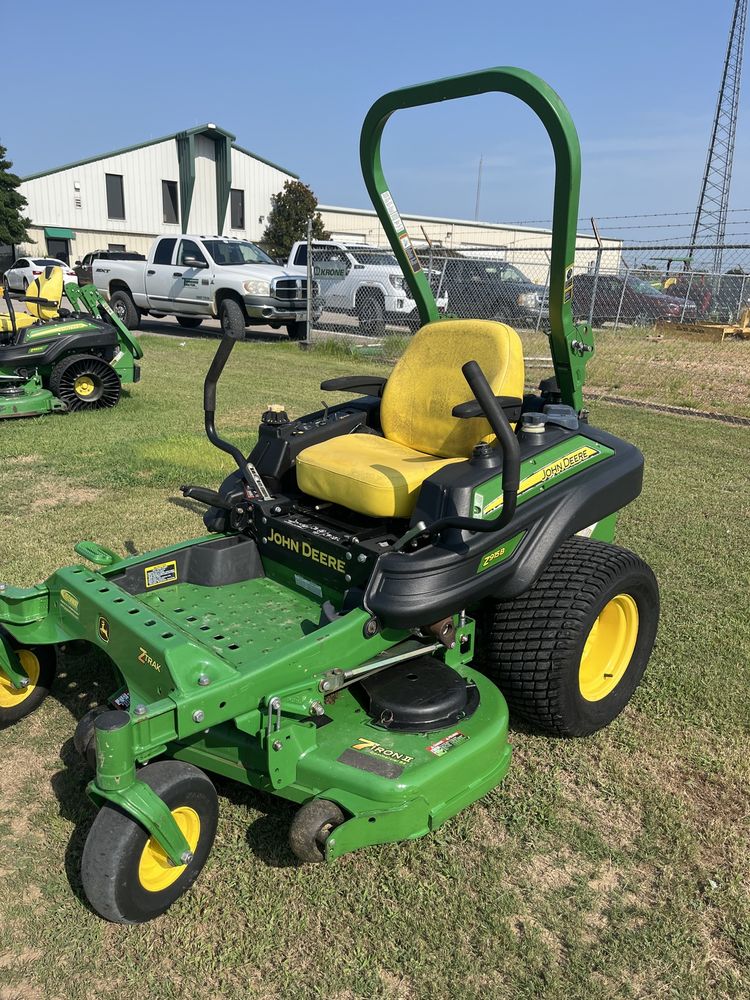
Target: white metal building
[198, 180]
[517, 243]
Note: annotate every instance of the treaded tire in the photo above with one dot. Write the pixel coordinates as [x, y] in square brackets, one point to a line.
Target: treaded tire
[532, 646]
[116, 843]
[84, 737]
[232, 318]
[311, 827]
[371, 314]
[46, 662]
[297, 331]
[122, 304]
[74, 371]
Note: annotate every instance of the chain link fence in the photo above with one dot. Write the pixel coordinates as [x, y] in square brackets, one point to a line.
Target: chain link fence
[668, 332]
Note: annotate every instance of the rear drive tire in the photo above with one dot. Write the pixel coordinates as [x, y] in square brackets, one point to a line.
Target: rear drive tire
[40, 664]
[570, 652]
[126, 310]
[85, 382]
[371, 314]
[297, 331]
[190, 322]
[232, 318]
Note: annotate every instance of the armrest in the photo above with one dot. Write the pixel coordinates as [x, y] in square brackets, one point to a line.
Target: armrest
[365, 385]
[510, 404]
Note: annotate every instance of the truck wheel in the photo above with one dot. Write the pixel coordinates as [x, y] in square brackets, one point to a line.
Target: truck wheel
[40, 664]
[85, 382]
[189, 322]
[570, 652]
[232, 318]
[125, 309]
[126, 875]
[297, 331]
[371, 314]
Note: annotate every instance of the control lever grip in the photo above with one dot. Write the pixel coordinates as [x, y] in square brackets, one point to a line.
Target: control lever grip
[208, 497]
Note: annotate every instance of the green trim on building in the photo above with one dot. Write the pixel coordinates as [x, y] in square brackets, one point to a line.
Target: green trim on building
[152, 142]
[59, 234]
[223, 180]
[186, 160]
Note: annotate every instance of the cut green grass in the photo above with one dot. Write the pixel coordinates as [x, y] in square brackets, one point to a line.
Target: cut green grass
[615, 866]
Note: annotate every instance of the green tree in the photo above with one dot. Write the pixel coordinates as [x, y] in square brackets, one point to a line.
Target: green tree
[291, 209]
[12, 222]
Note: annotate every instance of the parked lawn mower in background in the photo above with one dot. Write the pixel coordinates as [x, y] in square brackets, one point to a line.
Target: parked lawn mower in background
[54, 360]
[381, 581]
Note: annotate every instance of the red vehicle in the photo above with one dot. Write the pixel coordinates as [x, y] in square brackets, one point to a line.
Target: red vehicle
[627, 299]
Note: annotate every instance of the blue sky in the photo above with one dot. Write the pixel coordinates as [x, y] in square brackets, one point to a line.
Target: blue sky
[294, 81]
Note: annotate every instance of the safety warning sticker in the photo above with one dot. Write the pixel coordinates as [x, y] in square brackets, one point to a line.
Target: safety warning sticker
[165, 572]
[390, 207]
[447, 743]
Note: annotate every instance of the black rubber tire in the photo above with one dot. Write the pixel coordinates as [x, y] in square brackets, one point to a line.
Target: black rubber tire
[297, 331]
[113, 849]
[47, 658]
[371, 314]
[532, 646]
[189, 322]
[124, 307]
[107, 386]
[232, 318]
[84, 738]
[311, 827]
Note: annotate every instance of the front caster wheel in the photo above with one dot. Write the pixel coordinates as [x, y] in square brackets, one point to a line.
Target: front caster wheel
[311, 828]
[126, 875]
[84, 737]
[39, 664]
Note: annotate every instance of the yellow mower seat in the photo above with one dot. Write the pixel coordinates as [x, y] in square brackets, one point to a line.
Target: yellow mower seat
[381, 477]
[22, 320]
[47, 286]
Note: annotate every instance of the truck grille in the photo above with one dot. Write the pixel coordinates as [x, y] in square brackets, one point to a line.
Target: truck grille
[290, 288]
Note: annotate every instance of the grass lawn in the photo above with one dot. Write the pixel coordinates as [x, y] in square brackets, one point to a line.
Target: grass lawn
[615, 866]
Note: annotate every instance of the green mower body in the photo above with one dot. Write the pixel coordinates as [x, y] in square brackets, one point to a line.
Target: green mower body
[78, 360]
[360, 666]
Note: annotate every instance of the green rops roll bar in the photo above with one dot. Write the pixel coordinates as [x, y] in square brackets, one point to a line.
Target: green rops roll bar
[571, 345]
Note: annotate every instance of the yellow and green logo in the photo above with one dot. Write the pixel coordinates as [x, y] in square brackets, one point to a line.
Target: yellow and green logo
[365, 745]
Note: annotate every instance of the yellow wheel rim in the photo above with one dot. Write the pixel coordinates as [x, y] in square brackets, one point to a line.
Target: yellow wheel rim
[10, 696]
[155, 870]
[609, 648]
[84, 385]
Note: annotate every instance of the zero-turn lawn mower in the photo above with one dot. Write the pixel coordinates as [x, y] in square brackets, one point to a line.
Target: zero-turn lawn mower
[53, 360]
[380, 581]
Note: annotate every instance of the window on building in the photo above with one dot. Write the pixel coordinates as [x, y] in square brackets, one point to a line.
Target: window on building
[115, 197]
[169, 202]
[188, 249]
[164, 251]
[237, 206]
[116, 246]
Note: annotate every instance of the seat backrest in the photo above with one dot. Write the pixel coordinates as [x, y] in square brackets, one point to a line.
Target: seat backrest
[427, 383]
[47, 286]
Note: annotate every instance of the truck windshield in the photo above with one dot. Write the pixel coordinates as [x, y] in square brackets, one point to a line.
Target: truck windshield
[380, 258]
[232, 252]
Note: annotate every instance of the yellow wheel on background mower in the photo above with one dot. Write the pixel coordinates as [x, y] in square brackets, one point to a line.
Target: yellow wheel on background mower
[39, 664]
[609, 648]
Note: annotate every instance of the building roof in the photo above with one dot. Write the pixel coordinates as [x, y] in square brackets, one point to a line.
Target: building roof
[208, 127]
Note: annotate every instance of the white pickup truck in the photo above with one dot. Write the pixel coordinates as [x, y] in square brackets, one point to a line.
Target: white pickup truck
[360, 280]
[197, 277]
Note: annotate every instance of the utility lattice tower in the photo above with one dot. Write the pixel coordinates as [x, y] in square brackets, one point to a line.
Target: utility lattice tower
[709, 228]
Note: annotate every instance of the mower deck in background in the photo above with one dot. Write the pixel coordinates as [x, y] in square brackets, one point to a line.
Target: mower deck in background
[53, 360]
[381, 580]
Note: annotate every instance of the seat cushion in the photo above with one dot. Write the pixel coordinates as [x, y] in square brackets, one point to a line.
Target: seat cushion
[22, 320]
[366, 473]
[427, 383]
